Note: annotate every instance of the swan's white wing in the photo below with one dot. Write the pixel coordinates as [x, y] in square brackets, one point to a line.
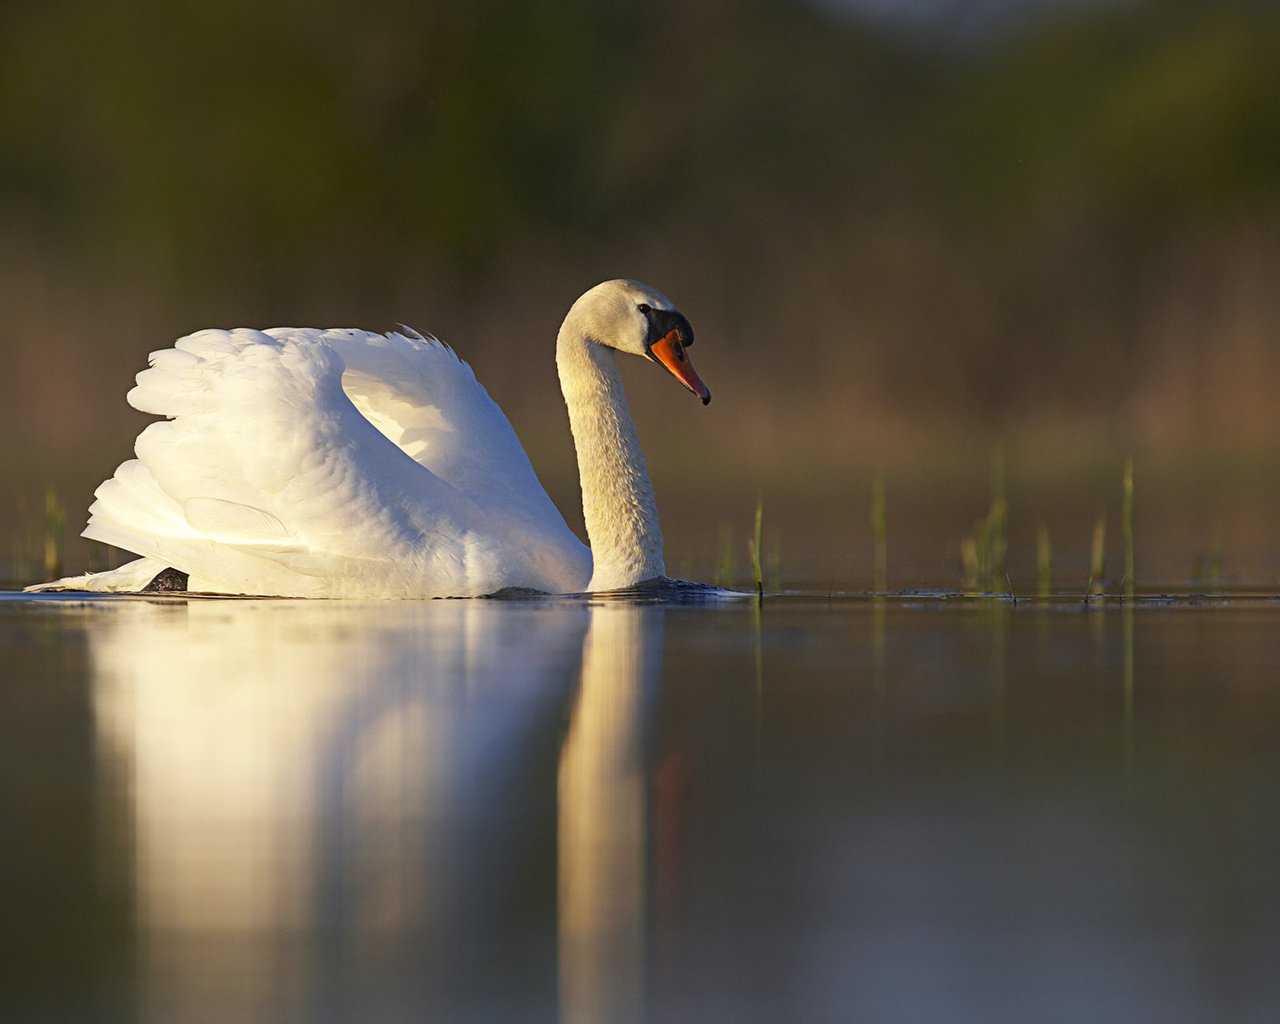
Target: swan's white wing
[419, 394]
[266, 479]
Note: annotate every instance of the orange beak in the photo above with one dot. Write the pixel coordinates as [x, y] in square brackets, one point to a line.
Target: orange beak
[670, 352]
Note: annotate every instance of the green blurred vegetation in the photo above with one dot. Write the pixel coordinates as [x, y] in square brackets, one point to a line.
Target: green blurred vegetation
[891, 248]
[258, 139]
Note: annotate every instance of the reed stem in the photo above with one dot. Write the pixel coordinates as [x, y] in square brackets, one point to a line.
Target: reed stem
[1044, 562]
[55, 518]
[1130, 580]
[753, 546]
[984, 551]
[1098, 557]
[880, 532]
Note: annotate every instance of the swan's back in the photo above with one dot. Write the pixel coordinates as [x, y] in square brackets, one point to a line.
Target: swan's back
[332, 463]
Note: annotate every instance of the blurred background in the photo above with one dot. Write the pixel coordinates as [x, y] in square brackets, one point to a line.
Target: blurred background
[909, 235]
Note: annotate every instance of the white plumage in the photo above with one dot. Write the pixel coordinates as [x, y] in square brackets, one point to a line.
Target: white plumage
[327, 463]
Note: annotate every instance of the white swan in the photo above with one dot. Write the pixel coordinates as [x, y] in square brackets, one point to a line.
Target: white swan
[340, 463]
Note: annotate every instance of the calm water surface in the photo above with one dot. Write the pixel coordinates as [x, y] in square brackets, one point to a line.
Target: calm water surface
[561, 810]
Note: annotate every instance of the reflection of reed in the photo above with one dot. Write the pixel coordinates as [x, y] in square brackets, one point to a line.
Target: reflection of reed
[1126, 627]
[998, 617]
[603, 821]
[879, 681]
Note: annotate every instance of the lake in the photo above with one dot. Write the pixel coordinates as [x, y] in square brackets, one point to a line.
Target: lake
[911, 808]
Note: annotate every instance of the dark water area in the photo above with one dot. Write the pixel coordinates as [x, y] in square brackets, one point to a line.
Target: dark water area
[831, 809]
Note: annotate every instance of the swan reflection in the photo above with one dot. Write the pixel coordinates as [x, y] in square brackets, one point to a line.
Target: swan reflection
[604, 819]
[379, 811]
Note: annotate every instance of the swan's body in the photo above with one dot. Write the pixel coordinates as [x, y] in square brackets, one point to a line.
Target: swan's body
[340, 463]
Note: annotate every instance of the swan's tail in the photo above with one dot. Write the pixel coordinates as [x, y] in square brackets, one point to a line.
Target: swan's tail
[128, 578]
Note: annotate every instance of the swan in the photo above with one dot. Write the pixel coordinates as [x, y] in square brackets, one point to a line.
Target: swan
[299, 462]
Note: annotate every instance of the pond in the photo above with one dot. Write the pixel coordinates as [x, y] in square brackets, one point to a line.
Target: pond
[910, 808]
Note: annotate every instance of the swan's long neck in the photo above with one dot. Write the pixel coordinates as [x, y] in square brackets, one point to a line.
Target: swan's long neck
[617, 498]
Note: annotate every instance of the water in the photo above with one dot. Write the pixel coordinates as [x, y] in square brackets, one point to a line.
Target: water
[558, 810]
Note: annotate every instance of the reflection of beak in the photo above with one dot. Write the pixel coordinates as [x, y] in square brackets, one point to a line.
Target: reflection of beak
[670, 352]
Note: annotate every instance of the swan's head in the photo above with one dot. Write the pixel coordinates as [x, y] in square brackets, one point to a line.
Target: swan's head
[632, 317]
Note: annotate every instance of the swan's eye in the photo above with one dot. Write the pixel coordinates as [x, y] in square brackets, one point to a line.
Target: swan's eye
[644, 308]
